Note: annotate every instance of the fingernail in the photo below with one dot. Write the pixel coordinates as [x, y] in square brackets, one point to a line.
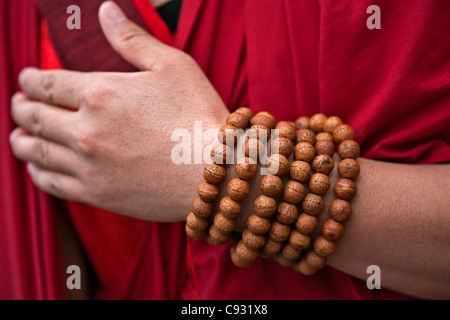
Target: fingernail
[30, 168]
[113, 11]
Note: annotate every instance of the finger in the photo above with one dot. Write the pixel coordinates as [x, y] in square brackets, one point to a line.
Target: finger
[57, 87]
[43, 120]
[133, 43]
[46, 154]
[57, 184]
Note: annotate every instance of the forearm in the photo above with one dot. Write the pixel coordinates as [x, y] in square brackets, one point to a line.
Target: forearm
[401, 223]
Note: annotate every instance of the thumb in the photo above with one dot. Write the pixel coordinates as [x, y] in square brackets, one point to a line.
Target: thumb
[129, 40]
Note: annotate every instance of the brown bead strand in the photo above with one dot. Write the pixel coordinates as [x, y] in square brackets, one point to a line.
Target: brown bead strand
[253, 237]
[340, 208]
[238, 188]
[197, 220]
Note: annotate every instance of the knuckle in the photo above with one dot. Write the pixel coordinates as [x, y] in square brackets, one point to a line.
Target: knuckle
[131, 37]
[42, 154]
[48, 86]
[87, 144]
[36, 119]
[95, 95]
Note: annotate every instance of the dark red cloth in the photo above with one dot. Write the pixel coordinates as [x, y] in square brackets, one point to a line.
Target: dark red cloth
[290, 58]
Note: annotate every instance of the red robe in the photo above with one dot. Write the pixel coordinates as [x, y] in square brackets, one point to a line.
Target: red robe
[290, 58]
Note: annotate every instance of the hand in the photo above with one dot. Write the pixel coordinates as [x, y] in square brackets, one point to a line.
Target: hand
[114, 150]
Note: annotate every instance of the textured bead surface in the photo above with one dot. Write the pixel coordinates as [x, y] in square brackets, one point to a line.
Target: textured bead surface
[345, 189]
[277, 164]
[293, 192]
[349, 149]
[271, 185]
[196, 223]
[312, 204]
[290, 252]
[238, 189]
[319, 183]
[246, 168]
[228, 135]
[331, 123]
[324, 136]
[286, 129]
[223, 224]
[302, 123]
[207, 191]
[306, 223]
[245, 252]
[304, 151]
[253, 241]
[202, 209]
[238, 260]
[264, 206]
[343, 132]
[237, 120]
[253, 148]
[324, 147]
[230, 208]
[271, 247]
[305, 135]
[279, 231]
[282, 260]
[324, 247]
[257, 224]
[317, 122]
[340, 210]
[349, 168]
[322, 163]
[287, 213]
[216, 237]
[247, 112]
[300, 171]
[314, 261]
[263, 118]
[332, 230]
[282, 145]
[214, 173]
[194, 234]
[299, 240]
[259, 131]
[304, 268]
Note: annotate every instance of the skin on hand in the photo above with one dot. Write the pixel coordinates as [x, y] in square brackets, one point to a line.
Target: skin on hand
[114, 150]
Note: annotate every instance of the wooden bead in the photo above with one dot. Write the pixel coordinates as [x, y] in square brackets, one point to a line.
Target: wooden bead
[303, 268]
[271, 185]
[317, 122]
[290, 252]
[196, 223]
[343, 132]
[319, 183]
[345, 189]
[263, 118]
[312, 204]
[213, 173]
[322, 163]
[349, 168]
[207, 191]
[216, 237]
[282, 260]
[324, 136]
[306, 223]
[265, 206]
[237, 120]
[349, 149]
[194, 234]
[314, 261]
[257, 224]
[246, 168]
[247, 112]
[230, 208]
[286, 130]
[300, 171]
[324, 247]
[305, 135]
[287, 213]
[299, 240]
[223, 224]
[304, 151]
[340, 210]
[324, 147]
[279, 232]
[282, 145]
[222, 154]
[238, 189]
[253, 148]
[293, 192]
[228, 134]
[202, 209]
[302, 123]
[332, 230]
[271, 248]
[331, 123]
[238, 260]
[245, 252]
[259, 131]
[253, 241]
[277, 164]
